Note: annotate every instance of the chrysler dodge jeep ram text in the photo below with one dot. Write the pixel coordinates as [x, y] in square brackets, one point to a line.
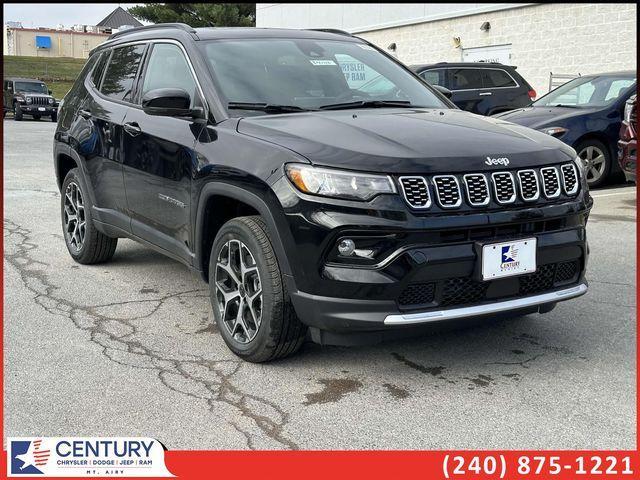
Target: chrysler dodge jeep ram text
[308, 202]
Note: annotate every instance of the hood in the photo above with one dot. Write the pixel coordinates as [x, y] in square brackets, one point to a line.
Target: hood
[539, 117]
[33, 94]
[407, 140]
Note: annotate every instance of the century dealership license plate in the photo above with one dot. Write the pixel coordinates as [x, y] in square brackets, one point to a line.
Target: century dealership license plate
[508, 258]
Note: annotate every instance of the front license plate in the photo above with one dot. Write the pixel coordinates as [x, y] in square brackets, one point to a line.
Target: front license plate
[41, 109]
[508, 258]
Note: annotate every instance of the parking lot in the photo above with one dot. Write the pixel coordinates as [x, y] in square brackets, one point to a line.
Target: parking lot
[130, 348]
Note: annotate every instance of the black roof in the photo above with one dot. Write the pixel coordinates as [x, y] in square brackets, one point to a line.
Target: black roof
[118, 18]
[426, 66]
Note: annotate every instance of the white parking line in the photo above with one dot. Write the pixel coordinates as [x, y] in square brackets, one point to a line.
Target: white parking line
[626, 192]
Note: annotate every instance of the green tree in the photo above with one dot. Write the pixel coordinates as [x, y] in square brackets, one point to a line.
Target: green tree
[198, 14]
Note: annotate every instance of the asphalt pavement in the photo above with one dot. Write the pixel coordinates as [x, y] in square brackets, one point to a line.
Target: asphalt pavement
[129, 348]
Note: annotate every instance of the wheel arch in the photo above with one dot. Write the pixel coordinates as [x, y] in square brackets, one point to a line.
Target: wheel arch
[243, 202]
[601, 137]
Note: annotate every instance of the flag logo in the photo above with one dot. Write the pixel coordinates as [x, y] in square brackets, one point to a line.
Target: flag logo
[28, 457]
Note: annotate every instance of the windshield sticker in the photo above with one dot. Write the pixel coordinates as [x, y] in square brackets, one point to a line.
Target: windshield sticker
[322, 62]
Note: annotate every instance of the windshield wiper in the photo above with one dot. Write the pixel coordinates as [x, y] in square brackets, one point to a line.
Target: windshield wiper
[266, 107]
[562, 105]
[369, 104]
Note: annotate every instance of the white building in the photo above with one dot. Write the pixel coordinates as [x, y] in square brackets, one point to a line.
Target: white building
[540, 39]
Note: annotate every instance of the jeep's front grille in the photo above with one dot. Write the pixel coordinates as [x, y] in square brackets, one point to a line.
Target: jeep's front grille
[447, 191]
[569, 178]
[477, 189]
[416, 191]
[39, 101]
[504, 186]
[459, 291]
[528, 181]
[529, 185]
[550, 182]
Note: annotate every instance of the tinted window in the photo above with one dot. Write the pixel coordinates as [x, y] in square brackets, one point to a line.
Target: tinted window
[497, 78]
[96, 75]
[588, 91]
[121, 71]
[31, 87]
[465, 78]
[434, 77]
[168, 68]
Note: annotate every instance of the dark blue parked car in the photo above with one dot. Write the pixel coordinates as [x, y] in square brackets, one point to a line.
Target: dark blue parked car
[585, 113]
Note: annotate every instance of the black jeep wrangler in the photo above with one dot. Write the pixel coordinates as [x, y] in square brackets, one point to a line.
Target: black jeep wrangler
[310, 197]
[26, 96]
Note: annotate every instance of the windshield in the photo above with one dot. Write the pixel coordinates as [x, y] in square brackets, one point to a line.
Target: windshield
[588, 92]
[310, 74]
[31, 87]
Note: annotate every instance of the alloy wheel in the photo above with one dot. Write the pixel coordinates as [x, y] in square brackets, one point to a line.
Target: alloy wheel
[594, 161]
[238, 291]
[74, 217]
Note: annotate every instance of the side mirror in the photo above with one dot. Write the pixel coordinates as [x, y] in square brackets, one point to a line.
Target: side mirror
[443, 90]
[50, 92]
[168, 102]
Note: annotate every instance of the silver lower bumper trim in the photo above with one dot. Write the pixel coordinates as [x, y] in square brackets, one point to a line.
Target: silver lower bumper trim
[477, 310]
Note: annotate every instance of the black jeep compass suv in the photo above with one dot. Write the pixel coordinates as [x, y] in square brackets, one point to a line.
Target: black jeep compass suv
[307, 201]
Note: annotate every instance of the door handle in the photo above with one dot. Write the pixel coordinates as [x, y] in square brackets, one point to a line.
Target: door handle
[485, 94]
[85, 113]
[132, 128]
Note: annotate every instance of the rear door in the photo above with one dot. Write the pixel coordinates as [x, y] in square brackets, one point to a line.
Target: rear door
[501, 91]
[159, 158]
[466, 85]
[103, 112]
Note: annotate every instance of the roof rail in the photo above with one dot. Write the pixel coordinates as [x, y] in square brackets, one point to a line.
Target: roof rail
[331, 30]
[181, 26]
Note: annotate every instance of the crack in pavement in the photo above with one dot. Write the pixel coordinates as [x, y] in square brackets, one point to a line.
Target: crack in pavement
[187, 374]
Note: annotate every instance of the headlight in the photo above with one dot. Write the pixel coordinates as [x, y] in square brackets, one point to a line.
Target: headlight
[20, 99]
[554, 131]
[51, 101]
[627, 112]
[29, 99]
[328, 182]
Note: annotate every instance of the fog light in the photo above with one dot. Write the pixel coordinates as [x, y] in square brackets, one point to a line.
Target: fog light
[346, 247]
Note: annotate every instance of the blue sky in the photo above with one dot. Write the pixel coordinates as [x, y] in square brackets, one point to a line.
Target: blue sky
[51, 14]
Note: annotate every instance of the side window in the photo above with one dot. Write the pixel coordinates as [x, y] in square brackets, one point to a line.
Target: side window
[617, 87]
[121, 71]
[497, 78]
[466, 79]
[96, 75]
[434, 77]
[168, 68]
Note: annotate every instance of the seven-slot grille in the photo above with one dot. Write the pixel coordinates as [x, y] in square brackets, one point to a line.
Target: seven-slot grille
[447, 191]
[506, 187]
[569, 178]
[477, 189]
[39, 101]
[416, 191]
[550, 182]
[528, 181]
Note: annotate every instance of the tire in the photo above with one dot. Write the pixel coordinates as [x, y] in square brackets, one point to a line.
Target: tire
[54, 117]
[36, 117]
[17, 113]
[277, 332]
[90, 246]
[591, 150]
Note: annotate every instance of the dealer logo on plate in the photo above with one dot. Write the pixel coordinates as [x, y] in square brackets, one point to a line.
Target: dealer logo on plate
[509, 257]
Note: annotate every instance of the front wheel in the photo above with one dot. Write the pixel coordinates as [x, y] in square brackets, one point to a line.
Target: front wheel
[249, 299]
[597, 161]
[85, 243]
[54, 117]
[17, 113]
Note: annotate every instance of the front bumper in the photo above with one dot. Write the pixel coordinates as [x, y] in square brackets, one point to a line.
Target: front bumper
[38, 109]
[627, 158]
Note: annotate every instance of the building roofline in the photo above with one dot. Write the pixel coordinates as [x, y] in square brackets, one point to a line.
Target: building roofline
[53, 30]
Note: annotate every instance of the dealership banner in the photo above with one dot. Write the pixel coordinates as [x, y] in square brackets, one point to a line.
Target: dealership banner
[86, 457]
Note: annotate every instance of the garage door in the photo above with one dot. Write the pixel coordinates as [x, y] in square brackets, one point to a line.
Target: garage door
[495, 53]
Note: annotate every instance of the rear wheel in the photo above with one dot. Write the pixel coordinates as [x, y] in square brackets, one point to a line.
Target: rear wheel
[85, 243]
[597, 160]
[249, 299]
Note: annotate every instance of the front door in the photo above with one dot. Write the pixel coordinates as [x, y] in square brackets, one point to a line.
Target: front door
[160, 157]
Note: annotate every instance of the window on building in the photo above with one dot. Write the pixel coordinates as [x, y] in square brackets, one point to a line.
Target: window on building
[435, 77]
[121, 72]
[492, 78]
[168, 68]
[466, 78]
